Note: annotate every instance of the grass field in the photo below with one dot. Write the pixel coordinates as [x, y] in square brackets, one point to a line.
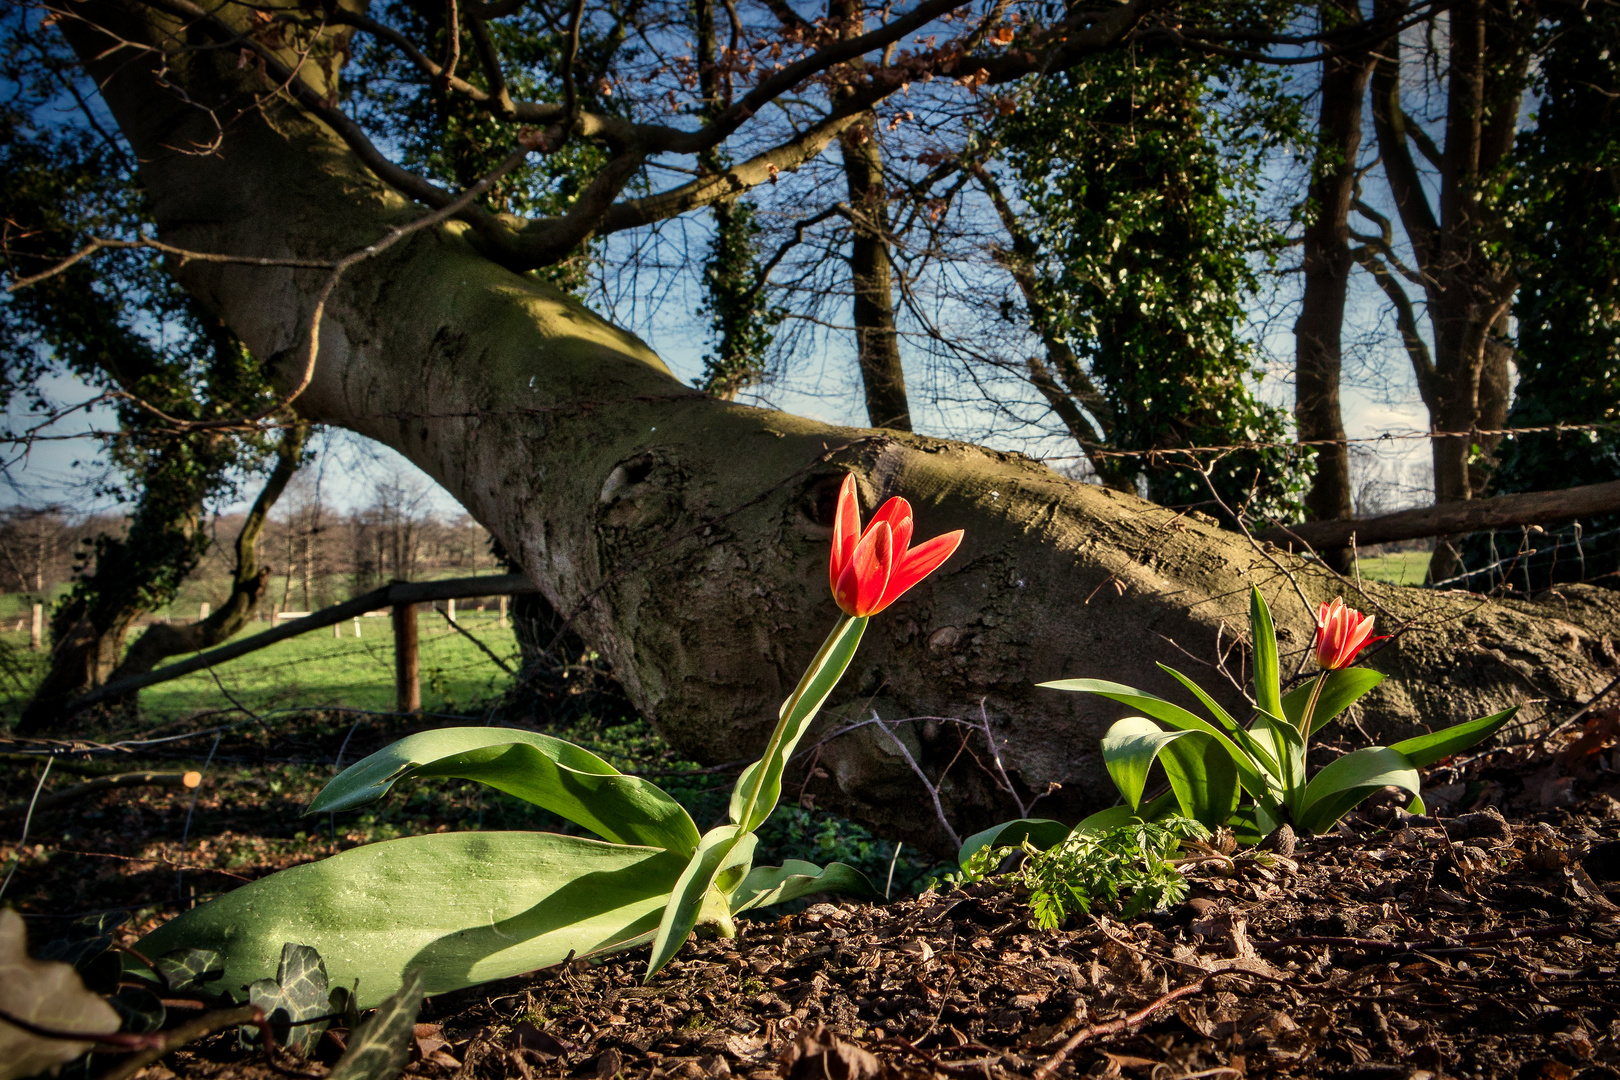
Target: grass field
[315, 669]
[1401, 568]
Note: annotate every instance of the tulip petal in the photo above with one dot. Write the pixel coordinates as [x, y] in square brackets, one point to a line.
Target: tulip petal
[846, 531]
[897, 513]
[918, 563]
[860, 587]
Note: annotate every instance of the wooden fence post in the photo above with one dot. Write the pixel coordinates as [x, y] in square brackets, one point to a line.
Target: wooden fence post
[36, 637]
[503, 613]
[407, 664]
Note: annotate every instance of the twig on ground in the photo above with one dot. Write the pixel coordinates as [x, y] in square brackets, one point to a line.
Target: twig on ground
[170, 1041]
[1052, 1063]
[28, 819]
[1579, 713]
[933, 792]
[103, 783]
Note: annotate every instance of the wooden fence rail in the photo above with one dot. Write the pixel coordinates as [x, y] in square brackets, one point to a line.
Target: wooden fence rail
[401, 596]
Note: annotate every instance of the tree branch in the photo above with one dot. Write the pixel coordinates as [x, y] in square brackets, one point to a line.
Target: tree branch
[1446, 519]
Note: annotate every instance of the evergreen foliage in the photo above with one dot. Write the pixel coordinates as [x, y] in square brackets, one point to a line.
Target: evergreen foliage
[1142, 175]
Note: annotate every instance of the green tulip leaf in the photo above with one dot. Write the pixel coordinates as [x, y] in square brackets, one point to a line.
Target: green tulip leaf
[1343, 689]
[1042, 833]
[1203, 778]
[1267, 675]
[1425, 750]
[464, 908]
[559, 776]
[1129, 749]
[1289, 750]
[697, 896]
[1252, 823]
[1342, 784]
[760, 785]
[766, 885]
[1115, 816]
[1262, 758]
[1167, 712]
[1104, 820]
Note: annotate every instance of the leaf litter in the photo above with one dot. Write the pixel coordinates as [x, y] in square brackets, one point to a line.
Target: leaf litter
[1417, 949]
[1398, 946]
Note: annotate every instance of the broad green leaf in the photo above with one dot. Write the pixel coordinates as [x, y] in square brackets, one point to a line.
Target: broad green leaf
[1203, 777]
[1341, 784]
[1252, 823]
[141, 1011]
[380, 1048]
[1289, 748]
[766, 885]
[1115, 816]
[464, 908]
[1042, 833]
[1129, 749]
[1170, 713]
[1343, 689]
[1262, 757]
[760, 785]
[565, 779]
[1104, 820]
[726, 848]
[1425, 750]
[1267, 676]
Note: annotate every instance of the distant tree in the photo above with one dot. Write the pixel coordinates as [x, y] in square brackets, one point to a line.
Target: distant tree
[1561, 193]
[1140, 250]
[1479, 68]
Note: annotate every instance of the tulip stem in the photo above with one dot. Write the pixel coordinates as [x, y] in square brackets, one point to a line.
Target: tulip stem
[1307, 719]
[757, 782]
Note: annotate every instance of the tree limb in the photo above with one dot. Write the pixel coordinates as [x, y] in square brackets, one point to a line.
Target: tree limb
[1446, 519]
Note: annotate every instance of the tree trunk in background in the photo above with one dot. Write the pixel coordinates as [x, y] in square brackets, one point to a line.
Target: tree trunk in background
[687, 538]
[1468, 290]
[877, 344]
[1318, 353]
[1495, 398]
[163, 640]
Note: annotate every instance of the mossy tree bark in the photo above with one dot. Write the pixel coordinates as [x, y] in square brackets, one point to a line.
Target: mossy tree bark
[685, 537]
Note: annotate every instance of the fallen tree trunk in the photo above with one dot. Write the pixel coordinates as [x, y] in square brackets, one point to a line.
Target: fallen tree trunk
[1470, 515]
[686, 537]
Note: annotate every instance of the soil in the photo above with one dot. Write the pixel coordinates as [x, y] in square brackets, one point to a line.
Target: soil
[1469, 944]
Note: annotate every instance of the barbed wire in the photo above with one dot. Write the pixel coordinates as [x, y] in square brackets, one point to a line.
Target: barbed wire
[1526, 553]
[1102, 450]
[1093, 450]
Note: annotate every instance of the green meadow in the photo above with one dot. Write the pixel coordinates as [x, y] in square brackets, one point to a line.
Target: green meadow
[317, 670]
[1399, 568]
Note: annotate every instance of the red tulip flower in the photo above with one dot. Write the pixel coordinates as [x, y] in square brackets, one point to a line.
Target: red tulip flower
[870, 570]
[1341, 633]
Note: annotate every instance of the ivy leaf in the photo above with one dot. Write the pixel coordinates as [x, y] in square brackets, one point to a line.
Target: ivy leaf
[380, 1047]
[48, 995]
[295, 997]
[141, 1010]
[189, 970]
